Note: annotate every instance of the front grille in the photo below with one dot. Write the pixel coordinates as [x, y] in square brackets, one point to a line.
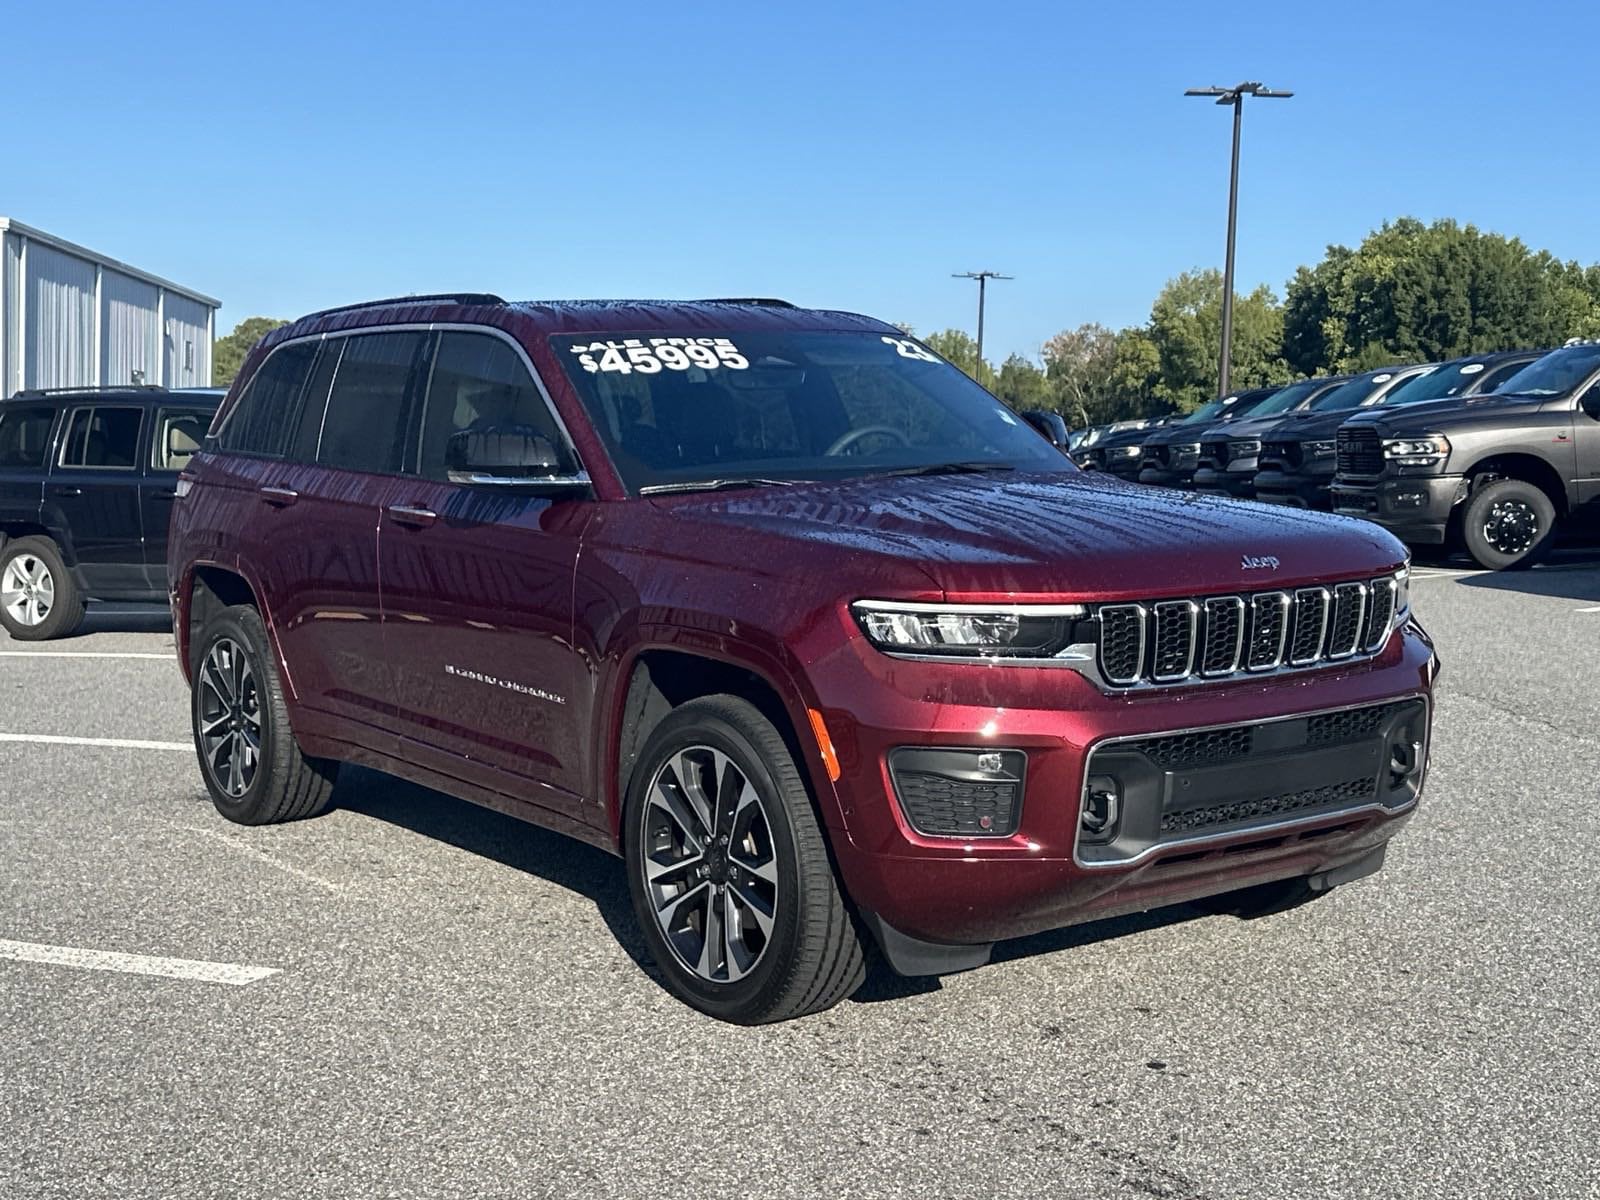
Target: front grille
[1198, 749]
[1282, 454]
[1351, 791]
[1328, 729]
[1156, 454]
[1213, 455]
[1244, 448]
[1360, 452]
[1215, 637]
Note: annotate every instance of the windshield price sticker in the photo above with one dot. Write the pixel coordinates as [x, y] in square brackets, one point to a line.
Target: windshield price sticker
[906, 348]
[649, 356]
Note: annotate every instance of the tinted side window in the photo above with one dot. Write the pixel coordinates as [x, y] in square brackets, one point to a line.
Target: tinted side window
[1498, 375]
[25, 435]
[179, 432]
[262, 420]
[478, 382]
[103, 437]
[308, 429]
[369, 407]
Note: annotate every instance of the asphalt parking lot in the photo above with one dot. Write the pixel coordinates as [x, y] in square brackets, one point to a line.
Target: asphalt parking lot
[448, 1003]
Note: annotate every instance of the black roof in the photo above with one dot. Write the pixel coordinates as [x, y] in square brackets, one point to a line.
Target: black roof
[139, 393]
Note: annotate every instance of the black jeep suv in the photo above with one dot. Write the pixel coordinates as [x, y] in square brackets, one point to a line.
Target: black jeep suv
[87, 480]
[1296, 460]
[1496, 471]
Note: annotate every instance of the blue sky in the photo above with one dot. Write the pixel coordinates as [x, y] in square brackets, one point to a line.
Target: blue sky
[289, 156]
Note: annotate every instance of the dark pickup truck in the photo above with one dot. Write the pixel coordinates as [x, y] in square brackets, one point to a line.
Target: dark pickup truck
[1226, 465]
[1496, 473]
[87, 480]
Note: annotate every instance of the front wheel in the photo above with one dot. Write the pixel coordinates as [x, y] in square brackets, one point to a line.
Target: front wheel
[1508, 524]
[38, 599]
[729, 871]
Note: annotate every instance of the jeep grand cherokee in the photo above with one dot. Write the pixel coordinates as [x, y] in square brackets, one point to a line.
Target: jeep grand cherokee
[789, 613]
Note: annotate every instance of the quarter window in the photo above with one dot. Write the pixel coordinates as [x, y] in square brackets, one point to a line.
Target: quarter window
[25, 435]
[261, 421]
[107, 438]
[374, 388]
[179, 433]
[480, 382]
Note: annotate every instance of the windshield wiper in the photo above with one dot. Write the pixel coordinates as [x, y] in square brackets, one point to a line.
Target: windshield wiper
[711, 485]
[951, 468]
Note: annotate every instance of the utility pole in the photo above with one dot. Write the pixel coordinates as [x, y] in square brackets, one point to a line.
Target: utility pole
[983, 278]
[1232, 96]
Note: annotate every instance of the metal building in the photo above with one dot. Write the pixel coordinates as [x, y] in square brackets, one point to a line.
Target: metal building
[70, 317]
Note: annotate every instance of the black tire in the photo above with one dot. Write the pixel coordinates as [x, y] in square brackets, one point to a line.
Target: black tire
[813, 957]
[1263, 900]
[66, 608]
[286, 785]
[1483, 525]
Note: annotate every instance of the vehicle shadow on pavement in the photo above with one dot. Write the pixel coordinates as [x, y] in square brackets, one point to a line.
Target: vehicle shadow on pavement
[154, 618]
[563, 861]
[1570, 579]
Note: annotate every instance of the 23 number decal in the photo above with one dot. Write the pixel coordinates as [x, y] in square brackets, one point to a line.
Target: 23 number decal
[906, 348]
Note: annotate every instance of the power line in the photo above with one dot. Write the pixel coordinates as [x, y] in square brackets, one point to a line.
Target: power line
[983, 278]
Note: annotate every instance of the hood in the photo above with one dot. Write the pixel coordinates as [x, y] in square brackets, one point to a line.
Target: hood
[1437, 416]
[1060, 536]
[1182, 431]
[1128, 437]
[1304, 426]
[1244, 428]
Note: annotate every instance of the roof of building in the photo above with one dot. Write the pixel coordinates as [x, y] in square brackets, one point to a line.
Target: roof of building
[7, 225]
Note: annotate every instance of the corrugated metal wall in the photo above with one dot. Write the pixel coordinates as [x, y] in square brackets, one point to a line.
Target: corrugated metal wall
[129, 334]
[10, 336]
[58, 333]
[187, 344]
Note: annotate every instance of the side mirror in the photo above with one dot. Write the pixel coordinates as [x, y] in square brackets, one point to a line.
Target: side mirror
[513, 457]
[1050, 425]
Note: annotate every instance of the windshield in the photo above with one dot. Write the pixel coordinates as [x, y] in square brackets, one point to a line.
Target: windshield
[1452, 379]
[785, 406]
[1288, 399]
[1556, 374]
[1205, 412]
[1353, 394]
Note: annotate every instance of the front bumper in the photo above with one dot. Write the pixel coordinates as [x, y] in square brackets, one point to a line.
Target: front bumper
[1415, 510]
[1172, 477]
[1298, 489]
[1237, 479]
[977, 890]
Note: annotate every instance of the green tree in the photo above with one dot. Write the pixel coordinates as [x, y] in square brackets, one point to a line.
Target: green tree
[962, 351]
[1186, 327]
[1079, 368]
[1022, 384]
[228, 353]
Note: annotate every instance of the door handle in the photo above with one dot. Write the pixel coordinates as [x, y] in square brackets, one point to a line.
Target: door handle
[67, 491]
[411, 515]
[278, 497]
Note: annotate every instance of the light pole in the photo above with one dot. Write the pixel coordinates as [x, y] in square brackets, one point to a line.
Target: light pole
[1235, 97]
[983, 278]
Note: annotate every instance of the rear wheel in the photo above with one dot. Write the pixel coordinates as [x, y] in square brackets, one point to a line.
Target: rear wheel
[730, 875]
[1508, 524]
[252, 765]
[38, 599]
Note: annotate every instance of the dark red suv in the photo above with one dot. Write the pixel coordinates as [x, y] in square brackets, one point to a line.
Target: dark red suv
[789, 613]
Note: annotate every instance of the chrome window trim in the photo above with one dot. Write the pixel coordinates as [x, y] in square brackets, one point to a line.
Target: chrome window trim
[1241, 608]
[1270, 830]
[1193, 611]
[413, 327]
[1286, 608]
[1322, 634]
[64, 438]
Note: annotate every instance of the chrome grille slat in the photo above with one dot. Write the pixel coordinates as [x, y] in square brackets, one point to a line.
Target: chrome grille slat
[1224, 635]
[1215, 638]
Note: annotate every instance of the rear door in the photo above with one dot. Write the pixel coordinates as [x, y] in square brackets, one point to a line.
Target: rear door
[176, 433]
[25, 435]
[93, 491]
[477, 593]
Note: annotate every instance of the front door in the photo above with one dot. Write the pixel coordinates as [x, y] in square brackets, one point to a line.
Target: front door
[477, 595]
[1586, 441]
[93, 492]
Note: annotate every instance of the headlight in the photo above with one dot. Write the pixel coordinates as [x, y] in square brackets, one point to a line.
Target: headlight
[1243, 449]
[968, 630]
[1320, 449]
[1186, 448]
[1416, 452]
[1126, 451]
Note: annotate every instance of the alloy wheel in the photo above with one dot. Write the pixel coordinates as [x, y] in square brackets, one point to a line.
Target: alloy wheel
[230, 717]
[27, 590]
[710, 864]
[1511, 527]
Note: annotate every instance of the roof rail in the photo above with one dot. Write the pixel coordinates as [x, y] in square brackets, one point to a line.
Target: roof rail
[33, 393]
[426, 298]
[758, 301]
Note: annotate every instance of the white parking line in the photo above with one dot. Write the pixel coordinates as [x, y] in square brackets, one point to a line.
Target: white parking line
[1596, 608]
[83, 654]
[236, 974]
[261, 856]
[55, 739]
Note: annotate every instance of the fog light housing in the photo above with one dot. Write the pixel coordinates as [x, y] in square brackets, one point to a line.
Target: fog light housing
[1410, 499]
[959, 793]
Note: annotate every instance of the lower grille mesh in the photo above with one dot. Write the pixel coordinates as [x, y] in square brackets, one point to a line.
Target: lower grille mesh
[1351, 791]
